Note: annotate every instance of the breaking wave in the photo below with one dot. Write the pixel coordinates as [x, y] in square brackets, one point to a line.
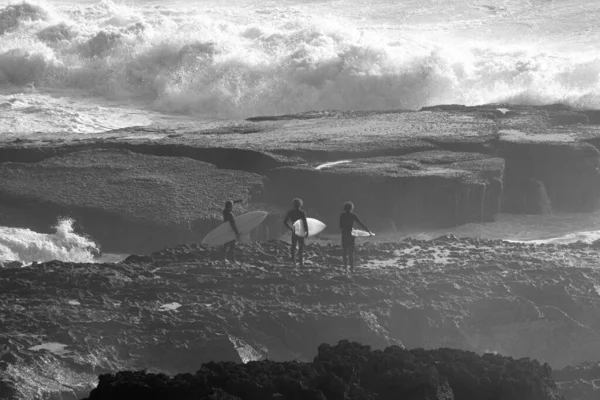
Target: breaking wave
[27, 246]
[191, 62]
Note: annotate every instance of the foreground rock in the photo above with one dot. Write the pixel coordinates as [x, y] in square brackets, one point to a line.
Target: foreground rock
[476, 161]
[173, 310]
[347, 371]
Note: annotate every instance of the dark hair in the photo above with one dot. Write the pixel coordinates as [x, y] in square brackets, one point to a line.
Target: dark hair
[228, 203]
[297, 202]
[348, 206]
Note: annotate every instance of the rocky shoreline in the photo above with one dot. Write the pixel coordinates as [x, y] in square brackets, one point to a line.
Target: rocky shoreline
[435, 168]
[171, 311]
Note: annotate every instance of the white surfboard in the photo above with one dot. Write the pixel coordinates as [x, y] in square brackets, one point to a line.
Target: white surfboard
[358, 232]
[314, 227]
[245, 223]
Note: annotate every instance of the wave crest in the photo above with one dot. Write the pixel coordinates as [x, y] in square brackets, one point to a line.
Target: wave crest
[11, 16]
[186, 62]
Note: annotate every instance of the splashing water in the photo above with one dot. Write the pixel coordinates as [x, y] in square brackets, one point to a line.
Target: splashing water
[27, 246]
[208, 59]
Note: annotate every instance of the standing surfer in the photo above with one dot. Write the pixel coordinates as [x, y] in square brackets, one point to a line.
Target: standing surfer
[347, 219]
[294, 215]
[228, 216]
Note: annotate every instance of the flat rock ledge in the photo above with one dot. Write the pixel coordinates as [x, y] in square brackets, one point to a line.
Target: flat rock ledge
[347, 370]
[438, 167]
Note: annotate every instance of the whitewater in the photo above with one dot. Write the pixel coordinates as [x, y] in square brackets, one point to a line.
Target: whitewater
[85, 67]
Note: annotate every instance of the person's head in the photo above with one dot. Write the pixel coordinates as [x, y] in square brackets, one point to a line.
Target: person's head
[348, 206]
[229, 205]
[297, 203]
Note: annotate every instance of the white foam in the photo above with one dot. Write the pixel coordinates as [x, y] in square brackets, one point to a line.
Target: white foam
[74, 303]
[27, 246]
[54, 347]
[330, 164]
[248, 58]
[170, 306]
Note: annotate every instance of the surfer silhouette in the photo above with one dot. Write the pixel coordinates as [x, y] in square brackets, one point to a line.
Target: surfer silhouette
[228, 217]
[294, 215]
[347, 220]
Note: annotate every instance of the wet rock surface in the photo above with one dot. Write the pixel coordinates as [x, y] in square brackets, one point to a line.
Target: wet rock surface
[348, 371]
[175, 309]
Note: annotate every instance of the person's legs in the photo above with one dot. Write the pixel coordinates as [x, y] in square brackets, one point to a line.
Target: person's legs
[226, 248]
[293, 247]
[300, 250]
[232, 250]
[345, 250]
[351, 248]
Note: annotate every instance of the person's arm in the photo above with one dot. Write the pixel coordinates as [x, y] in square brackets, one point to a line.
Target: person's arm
[305, 225]
[362, 224]
[285, 222]
[233, 225]
[237, 201]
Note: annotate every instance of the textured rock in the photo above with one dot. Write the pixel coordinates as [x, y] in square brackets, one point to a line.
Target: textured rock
[435, 188]
[126, 201]
[550, 157]
[172, 310]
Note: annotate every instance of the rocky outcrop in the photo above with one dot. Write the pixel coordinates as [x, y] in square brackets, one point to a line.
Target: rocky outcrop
[445, 164]
[125, 200]
[170, 311]
[348, 371]
[427, 189]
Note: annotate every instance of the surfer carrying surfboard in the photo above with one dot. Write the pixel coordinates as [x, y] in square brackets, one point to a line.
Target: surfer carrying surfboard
[294, 215]
[228, 217]
[347, 219]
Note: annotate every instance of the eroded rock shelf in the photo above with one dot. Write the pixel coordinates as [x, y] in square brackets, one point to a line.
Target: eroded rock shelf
[439, 167]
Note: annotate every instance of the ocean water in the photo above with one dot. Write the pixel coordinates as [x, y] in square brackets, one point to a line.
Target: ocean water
[87, 66]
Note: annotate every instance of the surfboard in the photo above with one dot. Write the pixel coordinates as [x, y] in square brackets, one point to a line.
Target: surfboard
[245, 223]
[358, 232]
[314, 227]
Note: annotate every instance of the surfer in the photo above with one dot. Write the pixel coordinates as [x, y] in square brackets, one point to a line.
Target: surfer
[347, 219]
[294, 215]
[228, 216]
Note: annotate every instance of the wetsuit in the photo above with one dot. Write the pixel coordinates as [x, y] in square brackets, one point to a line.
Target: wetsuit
[228, 216]
[347, 220]
[293, 216]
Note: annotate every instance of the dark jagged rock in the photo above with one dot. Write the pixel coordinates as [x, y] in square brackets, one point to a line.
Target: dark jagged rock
[347, 371]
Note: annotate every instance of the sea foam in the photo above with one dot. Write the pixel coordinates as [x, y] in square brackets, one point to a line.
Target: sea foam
[27, 246]
[210, 64]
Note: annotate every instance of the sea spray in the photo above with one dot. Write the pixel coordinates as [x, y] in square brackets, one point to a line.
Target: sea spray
[230, 62]
[27, 246]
